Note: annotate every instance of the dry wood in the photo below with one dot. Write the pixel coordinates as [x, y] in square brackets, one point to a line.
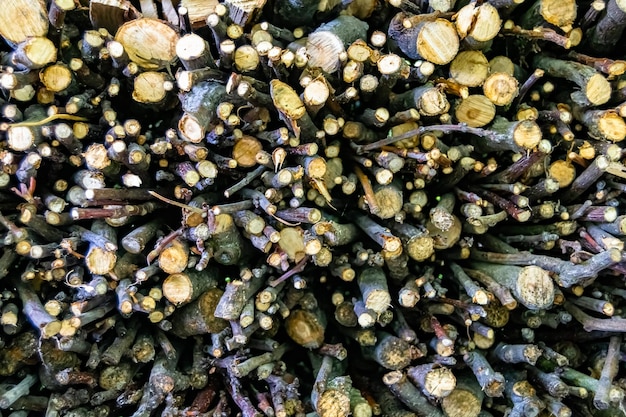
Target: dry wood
[409, 394]
[427, 99]
[469, 68]
[246, 59]
[609, 28]
[226, 240]
[292, 109]
[152, 87]
[477, 25]
[200, 106]
[21, 19]
[150, 43]
[34, 53]
[532, 287]
[197, 317]
[465, 400]
[173, 259]
[184, 287]
[373, 286]
[425, 37]
[245, 150]
[306, 328]
[328, 42]
[435, 381]
[563, 172]
[58, 78]
[353, 181]
[604, 124]
[475, 110]
[561, 14]
[194, 52]
[501, 88]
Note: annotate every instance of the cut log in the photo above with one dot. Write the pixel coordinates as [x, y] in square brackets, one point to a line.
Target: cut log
[328, 43]
[22, 19]
[425, 37]
[150, 43]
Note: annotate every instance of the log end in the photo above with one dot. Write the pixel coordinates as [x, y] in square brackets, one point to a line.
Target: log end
[461, 403]
[150, 43]
[304, 328]
[333, 403]
[612, 126]
[535, 288]
[178, 289]
[598, 90]
[420, 248]
[438, 42]
[475, 111]
[501, 88]
[563, 172]
[527, 134]
[440, 382]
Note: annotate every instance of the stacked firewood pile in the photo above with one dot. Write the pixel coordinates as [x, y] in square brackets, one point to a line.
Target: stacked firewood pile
[312, 208]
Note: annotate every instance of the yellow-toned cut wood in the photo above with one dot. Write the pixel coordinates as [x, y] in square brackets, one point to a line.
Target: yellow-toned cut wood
[21, 19]
[476, 111]
[56, 78]
[527, 134]
[501, 88]
[598, 90]
[245, 150]
[389, 200]
[286, 100]
[469, 68]
[612, 126]
[35, 52]
[246, 58]
[483, 342]
[438, 42]
[362, 8]
[462, 402]
[304, 328]
[100, 261]
[359, 51]
[480, 23]
[173, 259]
[563, 172]
[561, 13]
[149, 87]
[292, 242]
[403, 128]
[150, 43]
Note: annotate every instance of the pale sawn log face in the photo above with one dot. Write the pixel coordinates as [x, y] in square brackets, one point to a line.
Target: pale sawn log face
[275, 181]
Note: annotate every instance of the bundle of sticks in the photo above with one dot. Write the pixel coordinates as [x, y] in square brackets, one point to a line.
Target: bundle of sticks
[312, 208]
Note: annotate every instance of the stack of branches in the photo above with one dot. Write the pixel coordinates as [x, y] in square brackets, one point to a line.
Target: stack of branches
[241, 208]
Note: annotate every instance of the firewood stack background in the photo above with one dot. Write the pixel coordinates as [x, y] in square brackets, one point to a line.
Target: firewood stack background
[312, 208]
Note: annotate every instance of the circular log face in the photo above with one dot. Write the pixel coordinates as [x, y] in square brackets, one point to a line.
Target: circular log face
[476, 110]
[535, 288]
[21, 19]
[438, 42]
[150, 43]
[320, 212]
[598, 90]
